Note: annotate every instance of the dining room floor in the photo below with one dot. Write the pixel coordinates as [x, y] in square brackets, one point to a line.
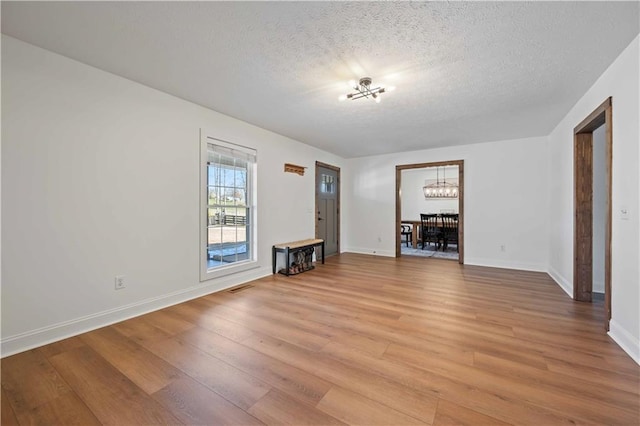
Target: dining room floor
[429, 251]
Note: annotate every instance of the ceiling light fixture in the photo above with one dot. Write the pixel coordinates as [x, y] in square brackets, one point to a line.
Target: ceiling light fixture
[363, 89]
[440, 188]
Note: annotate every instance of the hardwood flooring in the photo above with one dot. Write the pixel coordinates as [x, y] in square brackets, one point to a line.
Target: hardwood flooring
[359, 340]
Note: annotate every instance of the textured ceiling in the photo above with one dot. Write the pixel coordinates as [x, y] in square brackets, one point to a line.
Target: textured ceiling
[465, 72]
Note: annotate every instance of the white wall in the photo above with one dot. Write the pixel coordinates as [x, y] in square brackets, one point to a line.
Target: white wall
[621, 82]
[497, 210]
[599, 203]
[100, 177]
[412, 198]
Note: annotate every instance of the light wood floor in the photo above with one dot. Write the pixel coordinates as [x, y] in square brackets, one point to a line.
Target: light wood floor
[359, 340]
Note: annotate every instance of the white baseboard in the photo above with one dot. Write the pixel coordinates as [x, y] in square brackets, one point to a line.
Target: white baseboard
[374, 252]
[624, 339]
[598, 286]
[45, 335]
[628, 342]
[561, 281]
[495, 263]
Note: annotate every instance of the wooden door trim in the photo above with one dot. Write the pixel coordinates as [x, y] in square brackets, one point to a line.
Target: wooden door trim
[595, 119]
[583, 227]
[583, 208]
[317, 199]
[460, 164]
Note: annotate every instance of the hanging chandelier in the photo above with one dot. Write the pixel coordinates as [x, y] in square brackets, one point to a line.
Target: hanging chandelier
[363, 89]
[440, 189]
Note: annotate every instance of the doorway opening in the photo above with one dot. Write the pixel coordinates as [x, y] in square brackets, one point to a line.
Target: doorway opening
[328, 207]
[587, 192]
[457, 208]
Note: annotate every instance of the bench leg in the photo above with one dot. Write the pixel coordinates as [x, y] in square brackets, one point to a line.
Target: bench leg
[286, 262]
[273, 259]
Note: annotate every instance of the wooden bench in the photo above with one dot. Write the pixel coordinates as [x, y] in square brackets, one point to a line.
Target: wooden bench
[297, 248]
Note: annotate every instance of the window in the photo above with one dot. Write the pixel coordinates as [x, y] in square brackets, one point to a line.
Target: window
[327, 184]
[228, 213]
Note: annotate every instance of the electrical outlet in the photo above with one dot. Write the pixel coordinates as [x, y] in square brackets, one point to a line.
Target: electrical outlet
[120, 284]
[624, 213]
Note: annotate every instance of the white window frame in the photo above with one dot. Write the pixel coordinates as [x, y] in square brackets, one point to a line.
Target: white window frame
[243, 265]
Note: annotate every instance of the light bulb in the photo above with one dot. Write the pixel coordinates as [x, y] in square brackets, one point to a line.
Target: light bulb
[352, 83]
[342, 98]
[390, 88]
[378, 99]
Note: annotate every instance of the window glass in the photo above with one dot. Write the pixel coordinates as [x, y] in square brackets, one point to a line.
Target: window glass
[327, 184]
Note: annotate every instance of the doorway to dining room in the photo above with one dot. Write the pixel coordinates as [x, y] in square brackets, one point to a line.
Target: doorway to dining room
[435, 189]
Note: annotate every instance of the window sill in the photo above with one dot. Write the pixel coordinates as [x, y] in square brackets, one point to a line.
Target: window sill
[209, 274]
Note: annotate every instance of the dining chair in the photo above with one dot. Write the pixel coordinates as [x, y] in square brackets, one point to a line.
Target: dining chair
[405, 231]
[430, 230]
[450, 230]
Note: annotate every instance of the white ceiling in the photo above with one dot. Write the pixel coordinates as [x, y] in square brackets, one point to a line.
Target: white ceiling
[465, 72]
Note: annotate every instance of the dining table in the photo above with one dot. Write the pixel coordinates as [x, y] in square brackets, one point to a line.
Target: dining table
[415, 224]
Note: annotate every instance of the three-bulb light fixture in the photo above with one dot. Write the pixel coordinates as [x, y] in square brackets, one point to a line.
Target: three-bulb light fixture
[363, 89]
